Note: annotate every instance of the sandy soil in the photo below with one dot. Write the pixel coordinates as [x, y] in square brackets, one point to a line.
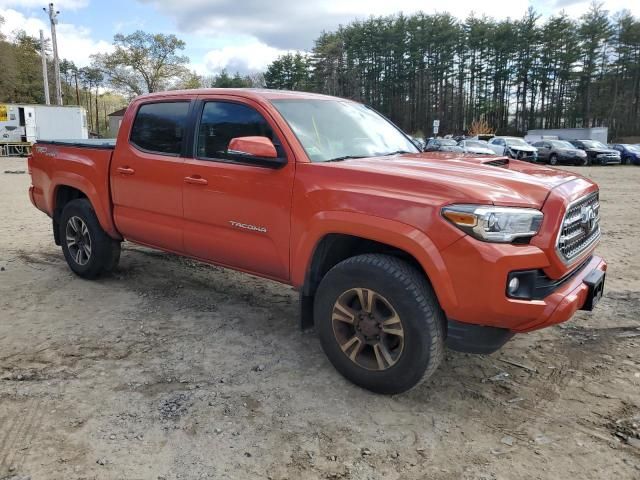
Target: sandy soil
[172, 369]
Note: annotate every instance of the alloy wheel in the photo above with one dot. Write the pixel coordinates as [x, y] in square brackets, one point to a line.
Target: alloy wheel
[368, 329]
[78, 240]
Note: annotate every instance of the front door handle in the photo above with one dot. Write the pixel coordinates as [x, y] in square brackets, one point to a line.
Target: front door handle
[126, 170]
[196, 180]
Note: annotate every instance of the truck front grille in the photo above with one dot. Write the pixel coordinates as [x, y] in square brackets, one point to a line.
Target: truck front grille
[580, 228]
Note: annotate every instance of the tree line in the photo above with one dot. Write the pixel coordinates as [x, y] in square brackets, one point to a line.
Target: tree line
[140, 63]
[516, 75]
[513, 75]
[21, 80]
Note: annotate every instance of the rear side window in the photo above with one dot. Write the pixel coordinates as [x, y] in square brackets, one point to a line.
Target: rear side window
[223, 121]
[160, 127]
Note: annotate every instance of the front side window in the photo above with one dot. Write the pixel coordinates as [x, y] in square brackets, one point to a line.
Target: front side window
[160, 127]
[223, 121]
[331, 130]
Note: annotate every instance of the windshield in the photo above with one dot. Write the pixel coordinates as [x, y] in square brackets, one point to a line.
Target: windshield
[475, 143]
[634, 148]
[561, 144]
[338, 129]
[516, 142]
[593, 144]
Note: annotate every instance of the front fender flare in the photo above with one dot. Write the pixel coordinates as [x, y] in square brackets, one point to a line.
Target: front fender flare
[390, 232]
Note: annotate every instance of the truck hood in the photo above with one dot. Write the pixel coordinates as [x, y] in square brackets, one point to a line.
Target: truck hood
[465, 178]
[481, 150]
[602, 150]
[523, 148]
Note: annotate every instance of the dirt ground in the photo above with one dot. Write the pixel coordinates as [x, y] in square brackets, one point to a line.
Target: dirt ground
[171, 369]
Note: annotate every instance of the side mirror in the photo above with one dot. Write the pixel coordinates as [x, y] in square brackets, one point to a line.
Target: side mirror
[256, 150]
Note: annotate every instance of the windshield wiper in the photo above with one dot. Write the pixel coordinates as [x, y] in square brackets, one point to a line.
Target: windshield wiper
[345, 157]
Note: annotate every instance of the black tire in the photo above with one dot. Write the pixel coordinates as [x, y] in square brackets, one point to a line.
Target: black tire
[409, 293]
[581, 162]
[553, 159]
[626, 160]
[104, 250]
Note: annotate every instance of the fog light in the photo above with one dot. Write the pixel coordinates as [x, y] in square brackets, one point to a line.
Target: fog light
[514, 284]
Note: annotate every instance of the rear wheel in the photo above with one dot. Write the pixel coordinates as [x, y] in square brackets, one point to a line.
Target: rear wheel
[582, 162]
[379, 323]
[553, 159]
[626, 160]
[87, 248]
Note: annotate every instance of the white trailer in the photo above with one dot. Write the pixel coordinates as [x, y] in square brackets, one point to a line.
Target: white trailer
[29, 123]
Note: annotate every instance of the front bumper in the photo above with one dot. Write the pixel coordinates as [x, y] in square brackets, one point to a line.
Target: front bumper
[479, 273]
[525, 156]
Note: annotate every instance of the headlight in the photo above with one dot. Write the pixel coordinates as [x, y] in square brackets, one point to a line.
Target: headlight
[494, 224]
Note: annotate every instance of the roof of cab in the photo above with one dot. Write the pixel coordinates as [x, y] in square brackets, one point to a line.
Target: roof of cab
[255, 93]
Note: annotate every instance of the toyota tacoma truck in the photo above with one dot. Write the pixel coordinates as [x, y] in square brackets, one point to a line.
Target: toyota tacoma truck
[395, 254]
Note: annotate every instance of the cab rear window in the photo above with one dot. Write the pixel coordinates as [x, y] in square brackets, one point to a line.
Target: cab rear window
[160, 127]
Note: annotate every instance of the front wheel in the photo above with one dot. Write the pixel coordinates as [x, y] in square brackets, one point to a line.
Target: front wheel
[87, 248]
[553, 159]
[379, 323]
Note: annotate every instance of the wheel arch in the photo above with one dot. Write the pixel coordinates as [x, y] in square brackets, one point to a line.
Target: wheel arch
[71, 187]
[336, 236]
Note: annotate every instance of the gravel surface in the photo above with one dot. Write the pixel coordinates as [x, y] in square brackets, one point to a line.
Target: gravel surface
[171, 369]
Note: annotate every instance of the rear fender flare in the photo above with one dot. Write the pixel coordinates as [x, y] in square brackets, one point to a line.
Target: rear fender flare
[103, 212]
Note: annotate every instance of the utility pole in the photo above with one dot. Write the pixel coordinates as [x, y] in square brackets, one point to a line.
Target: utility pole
[45, 75]
[53, 18]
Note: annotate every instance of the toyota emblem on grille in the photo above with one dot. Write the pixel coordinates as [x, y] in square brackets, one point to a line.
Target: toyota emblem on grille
[588, 219]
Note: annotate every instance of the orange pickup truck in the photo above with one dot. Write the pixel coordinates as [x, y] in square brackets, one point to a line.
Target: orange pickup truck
[396, 253]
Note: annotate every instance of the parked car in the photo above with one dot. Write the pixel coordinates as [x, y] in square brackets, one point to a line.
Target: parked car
[514, 147]
[629, 154]
[395, 253]
[442, 145]
[418, 142]
[597, 153]
[560, 151]
[478, 147]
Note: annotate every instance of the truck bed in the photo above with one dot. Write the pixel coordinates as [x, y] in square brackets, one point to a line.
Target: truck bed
[73, 167]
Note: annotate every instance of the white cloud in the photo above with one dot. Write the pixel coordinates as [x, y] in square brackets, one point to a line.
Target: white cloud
[59, 4]
[459, 8]
[294, 24]
[74, 42]
[575, 8]
[253, 57]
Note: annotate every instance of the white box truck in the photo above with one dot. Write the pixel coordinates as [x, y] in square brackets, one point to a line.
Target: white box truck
[29, 123]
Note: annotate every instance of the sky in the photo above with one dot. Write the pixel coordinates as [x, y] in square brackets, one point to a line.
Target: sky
[241, 35]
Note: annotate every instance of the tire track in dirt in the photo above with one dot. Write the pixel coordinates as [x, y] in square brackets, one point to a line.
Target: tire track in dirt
[20, 434]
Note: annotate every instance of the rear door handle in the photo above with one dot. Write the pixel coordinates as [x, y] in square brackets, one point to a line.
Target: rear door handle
[126, 170]
[197, 180]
